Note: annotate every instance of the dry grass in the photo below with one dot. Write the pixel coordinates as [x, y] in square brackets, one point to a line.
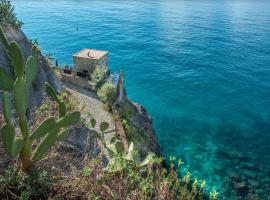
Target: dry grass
[73, 175]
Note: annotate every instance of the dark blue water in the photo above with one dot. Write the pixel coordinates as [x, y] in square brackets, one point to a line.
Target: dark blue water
[201, 68]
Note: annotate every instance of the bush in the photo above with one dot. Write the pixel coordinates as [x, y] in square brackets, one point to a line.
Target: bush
[135, 180]
[33, 186]
[107, 94]
[7, 15]
[98, 77]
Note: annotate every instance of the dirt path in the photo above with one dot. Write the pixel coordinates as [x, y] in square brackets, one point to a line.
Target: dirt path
[90, 104]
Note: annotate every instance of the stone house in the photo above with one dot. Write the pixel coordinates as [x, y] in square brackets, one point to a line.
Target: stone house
[84, 63]
[87, 59]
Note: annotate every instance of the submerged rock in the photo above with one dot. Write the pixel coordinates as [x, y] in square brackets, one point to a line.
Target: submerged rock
[241, 188]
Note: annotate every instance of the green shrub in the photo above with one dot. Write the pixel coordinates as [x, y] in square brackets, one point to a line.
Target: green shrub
[7, 15]
[107, 94]
[128, 179]
[32, 186]
[125, 110]
[98, 77]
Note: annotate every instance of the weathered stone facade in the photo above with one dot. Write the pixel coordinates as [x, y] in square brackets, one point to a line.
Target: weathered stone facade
[87, 59]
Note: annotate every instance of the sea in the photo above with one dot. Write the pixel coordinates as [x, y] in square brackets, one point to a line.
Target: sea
[200, 67]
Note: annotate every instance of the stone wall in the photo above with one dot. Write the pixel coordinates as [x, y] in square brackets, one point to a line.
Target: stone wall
[87, 64]
[71, 78]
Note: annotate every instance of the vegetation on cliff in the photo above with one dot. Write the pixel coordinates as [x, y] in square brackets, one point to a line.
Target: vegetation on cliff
[67, 172]
[49, 131]
[98, 77]
[107, 94]
[8, 16]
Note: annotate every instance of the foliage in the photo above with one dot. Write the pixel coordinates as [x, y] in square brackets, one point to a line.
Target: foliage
[98, 77]
[139, 180]
[35, 185]
[50, 60]
[103, 127]
[107, 94]
[133, 133]
[8, 16]
[125, 110]
[126, 177]
[49, 131]
[72, 101]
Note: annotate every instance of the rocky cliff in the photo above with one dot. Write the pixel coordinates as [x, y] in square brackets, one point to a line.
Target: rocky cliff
[142, 133]
[137, 123]
[44, 73]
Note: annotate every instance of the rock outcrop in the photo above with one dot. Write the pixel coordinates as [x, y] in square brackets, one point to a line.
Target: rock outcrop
[141, 131]
[44, 73]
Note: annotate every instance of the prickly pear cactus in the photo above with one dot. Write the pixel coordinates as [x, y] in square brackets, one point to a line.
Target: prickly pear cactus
[4, 39]
[49, 131]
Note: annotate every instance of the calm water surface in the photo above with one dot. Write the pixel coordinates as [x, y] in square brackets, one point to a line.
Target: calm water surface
[201, 68]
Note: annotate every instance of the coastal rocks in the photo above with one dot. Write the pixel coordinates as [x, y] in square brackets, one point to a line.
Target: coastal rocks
[246, 171]
[85, 141]
[241, 188]
[137, 123]
[143, 120]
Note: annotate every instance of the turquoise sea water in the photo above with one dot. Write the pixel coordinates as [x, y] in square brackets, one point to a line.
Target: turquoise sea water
[201, 68]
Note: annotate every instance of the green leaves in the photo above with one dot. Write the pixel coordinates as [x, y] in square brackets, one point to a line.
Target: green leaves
[97, 135]
[62, 135]
[93, 122]
[62, 109]
[129, 155]
[46, 126]
[17, 147]
[69, 119]
[49, 129]
[12, 144]
[149, 159]
[119, 147]
[17, 58]
[7, 107]
[115, 164]
[61, 105]
[23, 125]
[44, 145]
[104, 126]
[8, 135]
[4, 39]
[51, 92]
[6, 83]
[31, 69]
[111, 150]
[21, 95]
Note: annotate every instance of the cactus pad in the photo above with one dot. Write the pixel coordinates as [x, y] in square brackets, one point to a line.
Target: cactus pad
[6, 83]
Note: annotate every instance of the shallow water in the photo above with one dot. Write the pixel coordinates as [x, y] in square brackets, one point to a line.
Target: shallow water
[201, 68]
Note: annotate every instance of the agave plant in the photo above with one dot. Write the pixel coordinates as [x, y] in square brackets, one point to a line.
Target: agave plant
[49, 131]
[119, 159]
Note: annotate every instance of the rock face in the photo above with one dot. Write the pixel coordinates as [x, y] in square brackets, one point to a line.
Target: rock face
[143, 120]
[141, 132]
[44, 73]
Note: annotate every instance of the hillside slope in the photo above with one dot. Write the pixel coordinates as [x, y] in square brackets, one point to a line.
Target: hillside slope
[145, 141]
[44, 73]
